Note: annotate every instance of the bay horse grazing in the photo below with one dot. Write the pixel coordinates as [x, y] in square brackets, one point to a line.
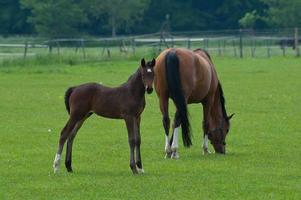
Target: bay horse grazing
[188, 77]
[124, 102]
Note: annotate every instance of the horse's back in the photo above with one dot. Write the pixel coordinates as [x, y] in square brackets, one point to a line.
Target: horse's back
[195, 74]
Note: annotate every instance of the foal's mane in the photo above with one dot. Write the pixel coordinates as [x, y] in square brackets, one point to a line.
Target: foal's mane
[223, 101]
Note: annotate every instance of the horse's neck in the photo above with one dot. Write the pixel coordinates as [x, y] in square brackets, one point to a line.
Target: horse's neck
[135, 84]
[217, 112]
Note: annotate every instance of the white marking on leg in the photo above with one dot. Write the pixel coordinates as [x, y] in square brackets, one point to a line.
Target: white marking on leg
[205, 145]
[56, 163]
[175, 144]
[167, 146]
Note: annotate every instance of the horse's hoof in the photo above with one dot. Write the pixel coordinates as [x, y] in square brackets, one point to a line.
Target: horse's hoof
[69, 170]
[140, 170]
[175, 155]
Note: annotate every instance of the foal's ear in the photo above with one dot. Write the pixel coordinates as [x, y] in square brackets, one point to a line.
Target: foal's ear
[229, 117]
[153, 62]
[142, 62]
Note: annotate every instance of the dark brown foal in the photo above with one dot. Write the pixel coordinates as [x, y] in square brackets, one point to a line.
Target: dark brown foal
[124, 102]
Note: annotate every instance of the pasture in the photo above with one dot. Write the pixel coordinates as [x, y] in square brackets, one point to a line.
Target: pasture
[263, 146]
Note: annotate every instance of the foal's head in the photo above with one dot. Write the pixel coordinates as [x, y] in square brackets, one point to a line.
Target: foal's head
[147, 71]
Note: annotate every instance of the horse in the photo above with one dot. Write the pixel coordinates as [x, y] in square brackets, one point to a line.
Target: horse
[124, 102]
[189, 77]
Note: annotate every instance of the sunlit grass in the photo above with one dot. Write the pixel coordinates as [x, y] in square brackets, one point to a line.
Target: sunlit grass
[263, 160]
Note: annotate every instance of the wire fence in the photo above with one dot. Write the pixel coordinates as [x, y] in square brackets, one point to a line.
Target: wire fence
[227, 43]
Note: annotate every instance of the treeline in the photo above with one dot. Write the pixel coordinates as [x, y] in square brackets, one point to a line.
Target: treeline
[69, 18]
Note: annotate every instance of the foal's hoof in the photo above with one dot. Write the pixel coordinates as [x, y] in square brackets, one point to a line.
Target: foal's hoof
[134, 170]
[175, 155]
[56, 170]
[140, 170]
[206, 151]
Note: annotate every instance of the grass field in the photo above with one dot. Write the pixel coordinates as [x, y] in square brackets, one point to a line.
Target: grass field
[263, 147]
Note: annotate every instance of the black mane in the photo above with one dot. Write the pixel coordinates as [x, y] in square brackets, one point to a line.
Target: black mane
[223, 101]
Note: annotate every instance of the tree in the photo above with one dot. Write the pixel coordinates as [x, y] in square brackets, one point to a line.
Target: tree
[119, 13]
[55, 18]
[13, 18]
[283, 13]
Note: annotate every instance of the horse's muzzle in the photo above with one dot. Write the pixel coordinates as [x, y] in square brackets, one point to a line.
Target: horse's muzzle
[149, 90]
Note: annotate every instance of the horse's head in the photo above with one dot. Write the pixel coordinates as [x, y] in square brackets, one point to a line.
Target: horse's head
[147, 71]
[218, 135]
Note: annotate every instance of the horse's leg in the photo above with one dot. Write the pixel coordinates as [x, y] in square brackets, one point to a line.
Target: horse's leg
[138, 143]
[68, 159]
[65, 133]
[174, 142]
[206, 115]
[166, 124]
[130, 124]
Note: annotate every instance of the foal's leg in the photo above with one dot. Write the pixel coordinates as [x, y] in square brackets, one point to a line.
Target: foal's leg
[138, 143]
[68, 159]
[174, 142]
[166, 124]
[65, 133]
[130, 124]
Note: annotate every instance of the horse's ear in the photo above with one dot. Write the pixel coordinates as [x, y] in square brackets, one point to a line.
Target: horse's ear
[229, 117]
[153, 62]
[142, 62]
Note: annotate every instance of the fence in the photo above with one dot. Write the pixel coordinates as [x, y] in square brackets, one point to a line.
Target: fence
[234, 43]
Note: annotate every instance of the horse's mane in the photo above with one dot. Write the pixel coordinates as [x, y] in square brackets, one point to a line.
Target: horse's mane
[223, 101]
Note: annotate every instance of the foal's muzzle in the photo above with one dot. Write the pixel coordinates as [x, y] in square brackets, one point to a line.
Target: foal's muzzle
[149, 90]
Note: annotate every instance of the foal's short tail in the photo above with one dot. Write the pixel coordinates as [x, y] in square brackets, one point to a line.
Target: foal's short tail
[176, 93]
[67, 97]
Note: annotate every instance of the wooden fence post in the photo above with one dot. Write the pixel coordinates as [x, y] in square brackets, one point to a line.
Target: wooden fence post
[240, 44]
[25, 49]
[296, 43]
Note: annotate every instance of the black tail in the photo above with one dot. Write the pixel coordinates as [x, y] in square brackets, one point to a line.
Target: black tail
[67, 96]
[176, 93]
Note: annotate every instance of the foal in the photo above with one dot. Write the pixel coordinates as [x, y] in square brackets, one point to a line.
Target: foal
[124, 102]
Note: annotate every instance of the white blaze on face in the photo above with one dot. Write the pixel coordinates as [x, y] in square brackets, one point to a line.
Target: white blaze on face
[149, 70]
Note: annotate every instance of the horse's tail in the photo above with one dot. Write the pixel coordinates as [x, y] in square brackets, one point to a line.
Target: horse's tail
[67, 97]
[176, 93]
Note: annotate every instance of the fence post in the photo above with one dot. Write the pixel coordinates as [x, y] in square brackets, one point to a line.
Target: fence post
[188, 43]
[240, 44]
[219, 48]
[296, 43]
[234, 48]
[133, 46]
[25, 49]
[268, 49]
[82, 42]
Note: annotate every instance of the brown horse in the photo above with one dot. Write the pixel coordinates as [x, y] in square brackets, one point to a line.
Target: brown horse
[188, 77]
[124, 102]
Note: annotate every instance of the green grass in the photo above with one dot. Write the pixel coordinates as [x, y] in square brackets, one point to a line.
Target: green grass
[263, 146]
